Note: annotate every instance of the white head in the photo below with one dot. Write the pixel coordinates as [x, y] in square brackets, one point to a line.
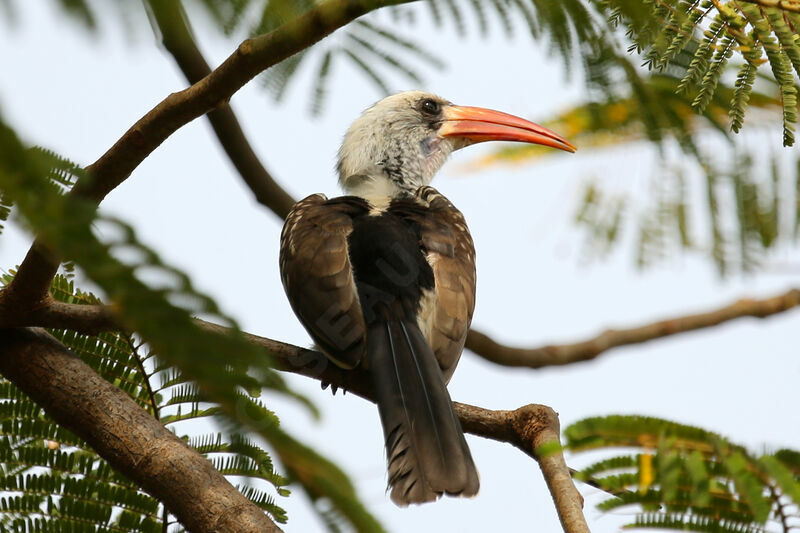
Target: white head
[398, 144]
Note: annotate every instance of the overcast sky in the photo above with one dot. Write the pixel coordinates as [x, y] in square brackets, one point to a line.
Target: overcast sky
[77, 94]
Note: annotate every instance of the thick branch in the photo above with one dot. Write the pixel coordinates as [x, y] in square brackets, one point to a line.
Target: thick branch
[29, 290]
[565, 354]
[50, 313]
[125, 435]
[139, 446]
[253, 56]
[92, 319]
[177, 39]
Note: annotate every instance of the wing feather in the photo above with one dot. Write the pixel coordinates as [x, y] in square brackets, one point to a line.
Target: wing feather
[318, 277]
[451, 253]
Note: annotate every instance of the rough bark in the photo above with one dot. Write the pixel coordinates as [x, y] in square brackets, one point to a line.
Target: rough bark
[125, 435]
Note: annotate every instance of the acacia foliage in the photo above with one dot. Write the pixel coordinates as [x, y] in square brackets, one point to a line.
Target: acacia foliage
[53, 480]
[679, 477]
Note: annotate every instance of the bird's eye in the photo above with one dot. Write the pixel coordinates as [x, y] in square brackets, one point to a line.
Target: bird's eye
[430, 107]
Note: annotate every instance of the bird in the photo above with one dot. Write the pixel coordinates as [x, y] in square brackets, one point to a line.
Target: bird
[383, 278]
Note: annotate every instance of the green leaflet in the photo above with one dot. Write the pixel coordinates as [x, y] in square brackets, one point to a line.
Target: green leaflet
[276, 79]
[715, 27]
[387, 57]
[711, 78]
[370, 31]
[780, 63]
[320, 89]
[62, 175]
[790, 459]
[749, 487]
[701, 524]
[785, 478]
[700, 481]
[741, 95]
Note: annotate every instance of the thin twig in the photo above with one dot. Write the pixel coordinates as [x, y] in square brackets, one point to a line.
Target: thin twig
[177, 39]
[93, 319]
[564, 354]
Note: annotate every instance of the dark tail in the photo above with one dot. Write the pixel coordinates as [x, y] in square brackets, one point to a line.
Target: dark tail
[425, 446]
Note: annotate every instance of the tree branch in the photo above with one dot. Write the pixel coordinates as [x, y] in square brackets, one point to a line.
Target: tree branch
[534, 429]
[177, 39]
[92, 319]
[29, 288]
[50, 313]
[115, 427]
[124, 434]
[565, 354]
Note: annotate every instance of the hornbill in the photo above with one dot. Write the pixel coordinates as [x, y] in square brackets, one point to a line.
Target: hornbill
[384, 278]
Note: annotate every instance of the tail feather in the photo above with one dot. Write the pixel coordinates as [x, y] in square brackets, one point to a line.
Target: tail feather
[426, 450]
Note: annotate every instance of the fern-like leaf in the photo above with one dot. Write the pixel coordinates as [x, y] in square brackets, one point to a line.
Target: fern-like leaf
[386, 57]
[320, 88]
[711, 78]
[365, 67]
[741, 95]
[682, 477]
[781, 67]
[51, 477]
[372, 30]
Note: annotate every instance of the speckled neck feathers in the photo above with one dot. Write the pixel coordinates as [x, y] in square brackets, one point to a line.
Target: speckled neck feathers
[391, 150]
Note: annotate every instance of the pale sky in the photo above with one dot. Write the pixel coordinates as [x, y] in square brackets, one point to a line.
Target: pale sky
[77, 94]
